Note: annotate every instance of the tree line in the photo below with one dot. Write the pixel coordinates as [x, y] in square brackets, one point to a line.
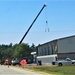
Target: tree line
[16, 51]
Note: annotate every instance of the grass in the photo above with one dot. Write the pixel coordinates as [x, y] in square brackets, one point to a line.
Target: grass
[55, 70]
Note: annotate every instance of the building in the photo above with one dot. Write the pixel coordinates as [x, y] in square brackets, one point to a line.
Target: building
[59, 48]
[66, 47]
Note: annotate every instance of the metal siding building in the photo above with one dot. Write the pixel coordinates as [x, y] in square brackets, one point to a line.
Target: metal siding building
[47, 52]
[63, 48]
[48, 48]
[66, 47]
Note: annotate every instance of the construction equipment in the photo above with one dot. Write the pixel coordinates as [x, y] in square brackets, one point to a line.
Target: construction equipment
[32, 24]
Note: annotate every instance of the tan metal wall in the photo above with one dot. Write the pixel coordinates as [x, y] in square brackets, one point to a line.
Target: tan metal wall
[66, 45]
[66, 55]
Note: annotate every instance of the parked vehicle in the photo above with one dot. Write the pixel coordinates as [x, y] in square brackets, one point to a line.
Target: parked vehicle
[15, 61]
[47, 59]
[67, 61]
[7, 61]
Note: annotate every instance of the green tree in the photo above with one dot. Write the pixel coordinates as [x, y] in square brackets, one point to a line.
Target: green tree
[22, 50]
[16, 51]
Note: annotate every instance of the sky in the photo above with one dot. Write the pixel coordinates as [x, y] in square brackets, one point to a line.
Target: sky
[17, 15]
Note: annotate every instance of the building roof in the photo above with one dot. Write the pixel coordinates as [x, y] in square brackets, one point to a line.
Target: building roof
[57, 40]
[66, 37]
[32, 53]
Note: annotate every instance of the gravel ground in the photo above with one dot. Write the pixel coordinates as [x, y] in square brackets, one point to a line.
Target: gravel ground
[4, 70]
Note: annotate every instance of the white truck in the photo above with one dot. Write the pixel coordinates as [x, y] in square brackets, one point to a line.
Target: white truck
[47, 59]
[67, 61]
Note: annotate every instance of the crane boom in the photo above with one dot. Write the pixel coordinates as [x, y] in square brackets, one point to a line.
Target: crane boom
[32, 24]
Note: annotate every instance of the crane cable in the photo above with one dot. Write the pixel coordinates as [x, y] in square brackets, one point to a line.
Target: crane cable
[47, 28]
[46, 21]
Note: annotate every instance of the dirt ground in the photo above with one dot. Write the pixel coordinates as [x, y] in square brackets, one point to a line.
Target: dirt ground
[35, 65]
[30, 66]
